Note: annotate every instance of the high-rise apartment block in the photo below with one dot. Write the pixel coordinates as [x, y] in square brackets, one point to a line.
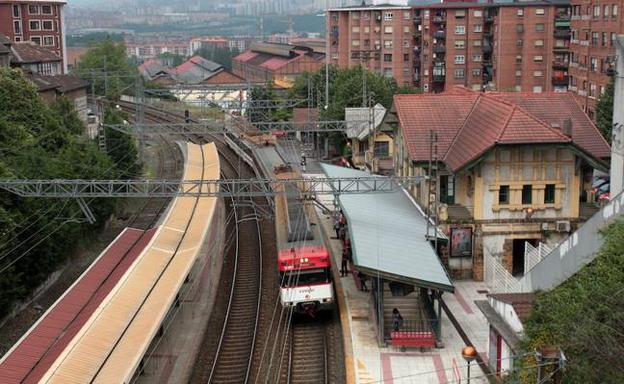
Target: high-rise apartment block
[595, 25]
[510, 46]
[40, 22]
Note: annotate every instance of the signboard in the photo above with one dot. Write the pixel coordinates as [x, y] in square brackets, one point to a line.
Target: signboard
[461, 242]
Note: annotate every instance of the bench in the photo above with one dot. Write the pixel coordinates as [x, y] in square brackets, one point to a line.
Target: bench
[412, 339]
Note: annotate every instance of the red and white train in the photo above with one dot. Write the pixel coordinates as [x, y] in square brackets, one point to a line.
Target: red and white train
[304, 263]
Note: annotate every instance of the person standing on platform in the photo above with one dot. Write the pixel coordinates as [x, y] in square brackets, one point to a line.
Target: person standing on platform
[362, 278]
[344, 271]
[337, 226]
[397, 319]
[303, 162]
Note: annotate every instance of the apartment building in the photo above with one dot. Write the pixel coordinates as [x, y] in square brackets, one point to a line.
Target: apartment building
[39, 22]
[519, 46]
[380, 38]
[594, 27]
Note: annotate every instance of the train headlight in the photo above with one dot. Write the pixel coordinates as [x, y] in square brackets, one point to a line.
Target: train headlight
[304, 260]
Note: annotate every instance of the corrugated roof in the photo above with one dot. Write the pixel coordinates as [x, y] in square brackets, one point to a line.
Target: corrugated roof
[388, 233]
[35, 352]
[62, 83]
[357, 120]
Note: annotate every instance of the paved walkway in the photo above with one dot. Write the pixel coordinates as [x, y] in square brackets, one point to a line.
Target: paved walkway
[374, 364]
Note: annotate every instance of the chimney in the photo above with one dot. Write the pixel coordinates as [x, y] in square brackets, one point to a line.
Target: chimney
[567, 127]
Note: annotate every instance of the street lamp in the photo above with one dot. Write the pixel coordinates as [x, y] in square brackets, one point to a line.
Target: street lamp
[469, 353]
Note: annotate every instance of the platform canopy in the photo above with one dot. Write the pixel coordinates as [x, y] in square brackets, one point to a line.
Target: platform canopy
[388, 236]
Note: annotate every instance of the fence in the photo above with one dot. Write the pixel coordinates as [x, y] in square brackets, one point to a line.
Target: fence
[533, 255]
[498, 278]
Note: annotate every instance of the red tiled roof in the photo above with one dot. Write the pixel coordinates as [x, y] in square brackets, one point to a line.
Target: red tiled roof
[442, 113]
[35, 353]
[553, 109]
[245, 56]
[468, 124]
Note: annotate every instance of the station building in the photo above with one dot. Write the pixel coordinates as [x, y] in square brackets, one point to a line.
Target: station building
[509, 169]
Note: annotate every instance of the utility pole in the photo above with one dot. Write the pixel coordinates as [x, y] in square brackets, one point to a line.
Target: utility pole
[432, 195]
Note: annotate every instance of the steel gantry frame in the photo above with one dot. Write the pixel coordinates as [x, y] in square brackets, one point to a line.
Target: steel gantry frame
[219, 127]
[258, 187]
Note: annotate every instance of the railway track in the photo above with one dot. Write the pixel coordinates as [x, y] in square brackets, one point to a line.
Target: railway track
[305, 358]
[241, 332]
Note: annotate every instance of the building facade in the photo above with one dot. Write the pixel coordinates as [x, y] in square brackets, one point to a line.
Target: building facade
[595, 26]
[380, 38]
[512, 168]
[520, 46]
[39, 22]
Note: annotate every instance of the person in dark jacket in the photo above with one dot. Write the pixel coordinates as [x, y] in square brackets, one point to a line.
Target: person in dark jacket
[397, 319]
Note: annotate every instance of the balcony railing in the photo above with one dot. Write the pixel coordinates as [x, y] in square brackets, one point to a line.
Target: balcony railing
[562, 33]
[418, 19]
[439, 78]
[582, 92]
[565, 47]
[438, 19]
[439, 34]
[560, 80]
[560, 64]
[439, 48]
[487, 48]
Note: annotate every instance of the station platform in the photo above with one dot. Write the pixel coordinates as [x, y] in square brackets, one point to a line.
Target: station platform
[37, 350]
[375, 364]
[462, 323]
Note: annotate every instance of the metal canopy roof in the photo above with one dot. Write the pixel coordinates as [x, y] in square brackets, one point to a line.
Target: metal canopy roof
[388, 236]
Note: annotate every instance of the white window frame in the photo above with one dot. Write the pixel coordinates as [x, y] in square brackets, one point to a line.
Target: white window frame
[460, 44]
[477, 58]
[355, 29]
[388, 29]
[460, 29]
[388, 16]
[539, 43]
[46, 5]
[19, 11]
[538, 73]
[459, 59]
[30, 28]
[540, 11]
[388, 44]
[476, 72]
[520, 12]
[21, 29]
[36, 37]
[478, 13]
[462, 71]
[51, 25]
[538, 58]
[36, 7]
[43, 41]
[478, 28]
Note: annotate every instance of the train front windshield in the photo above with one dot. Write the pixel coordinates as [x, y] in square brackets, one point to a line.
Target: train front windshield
[305, 277]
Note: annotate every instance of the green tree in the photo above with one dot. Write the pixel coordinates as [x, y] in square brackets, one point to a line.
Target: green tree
[604, 111]
[345, 90]
[120, 146]
[105, 64]
[584, 316]
[40, 142]
[266, 114]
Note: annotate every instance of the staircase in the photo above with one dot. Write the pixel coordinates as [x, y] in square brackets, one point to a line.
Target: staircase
[410, 307]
